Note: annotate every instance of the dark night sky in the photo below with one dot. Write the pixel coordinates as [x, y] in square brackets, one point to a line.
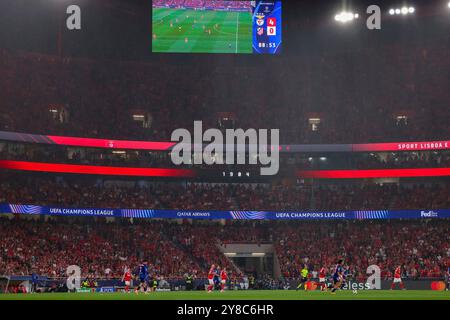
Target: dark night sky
[122, 29]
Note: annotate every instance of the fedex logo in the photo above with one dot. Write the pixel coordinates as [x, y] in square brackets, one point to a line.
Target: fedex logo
[430, 214]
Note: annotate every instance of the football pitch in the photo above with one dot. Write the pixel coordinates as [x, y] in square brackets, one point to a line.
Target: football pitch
[241, 295]
[201, 31]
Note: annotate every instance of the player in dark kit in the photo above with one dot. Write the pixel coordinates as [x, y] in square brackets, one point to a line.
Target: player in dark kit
[34, 282]
[448, 278]
[345, 275]
[143, 278]
[93, 284]
[217, 282]
[338, 276]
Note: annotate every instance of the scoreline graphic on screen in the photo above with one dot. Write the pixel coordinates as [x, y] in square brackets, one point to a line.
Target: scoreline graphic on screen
[267, 27]
[211, 26]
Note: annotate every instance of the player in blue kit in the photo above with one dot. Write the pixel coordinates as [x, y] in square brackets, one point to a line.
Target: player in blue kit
[217, 278]
[345, 275]
[448, 278]
[338, 277]
[143, 278]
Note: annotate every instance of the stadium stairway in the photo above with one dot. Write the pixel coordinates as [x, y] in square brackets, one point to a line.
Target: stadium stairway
[230, 261]
[200, 262]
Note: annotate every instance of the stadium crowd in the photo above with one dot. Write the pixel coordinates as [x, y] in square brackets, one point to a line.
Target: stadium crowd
[19, 189]
[332, 94]
[80, 97]
[102, 249]
[421, 248]
[405, 160]
[135, 158]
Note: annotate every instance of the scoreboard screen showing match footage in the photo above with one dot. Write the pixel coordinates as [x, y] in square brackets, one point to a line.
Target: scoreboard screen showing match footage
[212, 26]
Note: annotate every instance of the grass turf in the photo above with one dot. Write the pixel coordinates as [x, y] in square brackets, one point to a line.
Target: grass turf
[184, 30]
[240, 295]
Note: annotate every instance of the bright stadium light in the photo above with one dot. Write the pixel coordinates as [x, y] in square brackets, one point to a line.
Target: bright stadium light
[402, 11]
[230, 254]
[345, 17]
[258, 254]
[448, 5]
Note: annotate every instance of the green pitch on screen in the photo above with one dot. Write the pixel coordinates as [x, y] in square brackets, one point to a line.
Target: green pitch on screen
[197, 31]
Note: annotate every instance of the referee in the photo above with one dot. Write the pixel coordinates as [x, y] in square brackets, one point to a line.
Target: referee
[304, 277]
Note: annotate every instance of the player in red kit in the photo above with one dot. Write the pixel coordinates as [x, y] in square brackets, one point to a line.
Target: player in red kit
[127, 279]
[398, 278]
[323, 279]
[211, 274]
[223, 279]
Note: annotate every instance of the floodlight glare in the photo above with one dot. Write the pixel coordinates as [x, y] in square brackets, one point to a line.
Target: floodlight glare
[403, 11]
[345, 17]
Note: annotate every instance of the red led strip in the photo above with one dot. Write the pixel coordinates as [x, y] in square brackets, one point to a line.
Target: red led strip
[95, 170]
[111, 144]
[403, 146]
[163, 146]
[367, 174]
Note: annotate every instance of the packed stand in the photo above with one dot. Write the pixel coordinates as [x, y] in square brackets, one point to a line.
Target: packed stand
[422, 248]
[49, 95]
[102, 249]
[288, 161]
[18, 189]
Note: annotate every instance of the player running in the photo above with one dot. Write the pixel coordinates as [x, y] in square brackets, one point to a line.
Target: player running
[323, 279]
[212, 273]
[223, 279]
[93, 284]
[398, 278]
[338, 276]
[304, 277]
[143, 278]
[345, 275]
[126, 278]
[447, 275]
